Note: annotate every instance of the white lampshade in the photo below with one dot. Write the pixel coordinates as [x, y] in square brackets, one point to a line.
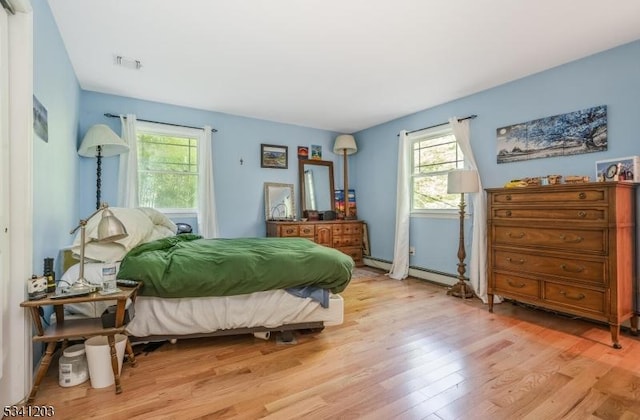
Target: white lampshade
[345, 142]
[102, 135]
[462, 181]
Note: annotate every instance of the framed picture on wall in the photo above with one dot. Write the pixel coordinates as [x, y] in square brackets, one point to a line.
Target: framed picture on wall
[272, 156]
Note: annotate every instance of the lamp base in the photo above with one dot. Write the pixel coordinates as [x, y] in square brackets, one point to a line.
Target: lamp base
[461, 289]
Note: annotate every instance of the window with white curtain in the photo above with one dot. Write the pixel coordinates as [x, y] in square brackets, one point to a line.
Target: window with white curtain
[168, 167]
[434, 152]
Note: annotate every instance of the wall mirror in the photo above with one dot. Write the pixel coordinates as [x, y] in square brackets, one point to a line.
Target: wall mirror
[279, 202]
[316, 185]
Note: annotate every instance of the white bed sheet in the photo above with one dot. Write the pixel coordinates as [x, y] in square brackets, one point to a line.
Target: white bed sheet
[271, 309]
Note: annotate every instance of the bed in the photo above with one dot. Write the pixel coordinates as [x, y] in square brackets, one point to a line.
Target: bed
[194, 287]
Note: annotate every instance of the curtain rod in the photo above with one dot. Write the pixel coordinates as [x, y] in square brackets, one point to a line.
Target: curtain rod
[470, 117]
[213, 130]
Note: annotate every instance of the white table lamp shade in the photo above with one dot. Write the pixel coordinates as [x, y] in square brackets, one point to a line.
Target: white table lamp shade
[462, 181]
[102, 135]
[345, 142]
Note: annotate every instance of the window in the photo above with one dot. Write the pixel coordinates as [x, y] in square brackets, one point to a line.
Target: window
[167, 168]
[434, 152]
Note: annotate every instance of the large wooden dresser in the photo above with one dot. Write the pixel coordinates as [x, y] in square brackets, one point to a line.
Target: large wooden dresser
[569, 248]
[343, 235]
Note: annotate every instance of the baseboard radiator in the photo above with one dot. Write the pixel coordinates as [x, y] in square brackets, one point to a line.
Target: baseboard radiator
[423, 273]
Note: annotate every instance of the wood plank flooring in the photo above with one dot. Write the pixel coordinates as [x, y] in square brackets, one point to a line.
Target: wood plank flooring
[406, 350]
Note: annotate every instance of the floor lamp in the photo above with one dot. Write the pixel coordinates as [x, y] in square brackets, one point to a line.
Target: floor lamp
[345, 145]
[462, 181]
[100, 141]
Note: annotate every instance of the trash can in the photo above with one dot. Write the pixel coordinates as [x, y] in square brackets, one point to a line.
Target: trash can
[99, 359]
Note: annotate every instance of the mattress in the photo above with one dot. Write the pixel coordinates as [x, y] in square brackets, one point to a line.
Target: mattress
[270, 309]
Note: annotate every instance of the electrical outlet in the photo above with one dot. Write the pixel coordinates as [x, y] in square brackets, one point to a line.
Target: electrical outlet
[412, 250]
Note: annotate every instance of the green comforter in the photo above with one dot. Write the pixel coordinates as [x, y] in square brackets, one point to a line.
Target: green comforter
[189, 266]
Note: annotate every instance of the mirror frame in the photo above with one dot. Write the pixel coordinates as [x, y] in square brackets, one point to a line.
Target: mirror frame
[267, 204]
[317, 162]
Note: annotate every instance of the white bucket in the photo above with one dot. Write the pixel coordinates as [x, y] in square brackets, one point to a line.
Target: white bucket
[99, 359]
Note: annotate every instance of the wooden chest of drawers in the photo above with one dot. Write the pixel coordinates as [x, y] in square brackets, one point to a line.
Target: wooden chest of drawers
[569, 248]
[343, 235]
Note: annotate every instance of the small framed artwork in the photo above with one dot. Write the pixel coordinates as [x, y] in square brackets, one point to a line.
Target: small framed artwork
[303, 152]
[316, 152]
[620, 169]
[272, 156]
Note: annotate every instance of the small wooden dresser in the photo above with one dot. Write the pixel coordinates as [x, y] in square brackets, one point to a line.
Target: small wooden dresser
[343, 235]
[569, 248]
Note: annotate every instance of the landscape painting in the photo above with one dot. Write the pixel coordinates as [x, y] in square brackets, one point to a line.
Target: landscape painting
[573, 133]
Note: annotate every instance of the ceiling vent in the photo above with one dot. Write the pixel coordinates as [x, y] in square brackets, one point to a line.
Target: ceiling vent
[128, 63]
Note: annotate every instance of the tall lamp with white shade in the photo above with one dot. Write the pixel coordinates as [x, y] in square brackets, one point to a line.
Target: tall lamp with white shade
[462, 181]
[100, 141]
[345, 145]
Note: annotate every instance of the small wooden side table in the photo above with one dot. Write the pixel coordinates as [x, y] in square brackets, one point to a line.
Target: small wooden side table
[79, 329]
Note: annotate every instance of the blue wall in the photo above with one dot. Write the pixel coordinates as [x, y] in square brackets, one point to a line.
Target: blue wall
[55, 163]
[610, 78]
[64, 183]
[238, 187]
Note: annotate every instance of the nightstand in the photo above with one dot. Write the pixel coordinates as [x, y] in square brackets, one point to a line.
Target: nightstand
[64, 330]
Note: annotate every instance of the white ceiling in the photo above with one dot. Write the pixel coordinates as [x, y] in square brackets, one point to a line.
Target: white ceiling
[340, 65]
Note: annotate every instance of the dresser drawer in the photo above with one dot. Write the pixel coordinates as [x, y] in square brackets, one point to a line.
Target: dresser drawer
[307, 231]
[593, 271]
[514, 285]
[540, 196]
[564, 239]
[551, 213]
[347, 229]
[354, 252]
[347, 241]
[289, 230]
[575, 297]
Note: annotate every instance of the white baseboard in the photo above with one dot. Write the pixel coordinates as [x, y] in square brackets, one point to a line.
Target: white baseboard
[414, 272]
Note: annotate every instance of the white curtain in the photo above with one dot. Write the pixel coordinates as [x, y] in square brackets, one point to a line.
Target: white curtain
[400, 266]
[207, 217]
[478, 258]
[128, 170]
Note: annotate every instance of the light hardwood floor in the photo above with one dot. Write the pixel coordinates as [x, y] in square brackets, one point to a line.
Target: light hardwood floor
[406, 350]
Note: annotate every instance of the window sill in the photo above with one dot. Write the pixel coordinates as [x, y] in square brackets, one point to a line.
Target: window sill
[434, 214]
[179, 213]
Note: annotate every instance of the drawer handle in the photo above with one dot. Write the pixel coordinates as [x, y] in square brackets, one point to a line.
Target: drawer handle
[518, 286]
[289, 230]
[508, 213]
[582, 196]
[582, 214]
[579, 297]
[575, 240]
[518, 261]
[507, 197]
[566, 268]
[518, 236]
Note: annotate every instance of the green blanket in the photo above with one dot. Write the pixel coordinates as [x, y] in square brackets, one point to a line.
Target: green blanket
[189, 266]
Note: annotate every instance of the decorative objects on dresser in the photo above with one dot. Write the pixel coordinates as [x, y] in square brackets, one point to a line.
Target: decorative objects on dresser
[279, 202]
[621, 169]
[100, 141]
[343, 235]
[568, 248]
[462, 181]
[346, 145]
[316, 187]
